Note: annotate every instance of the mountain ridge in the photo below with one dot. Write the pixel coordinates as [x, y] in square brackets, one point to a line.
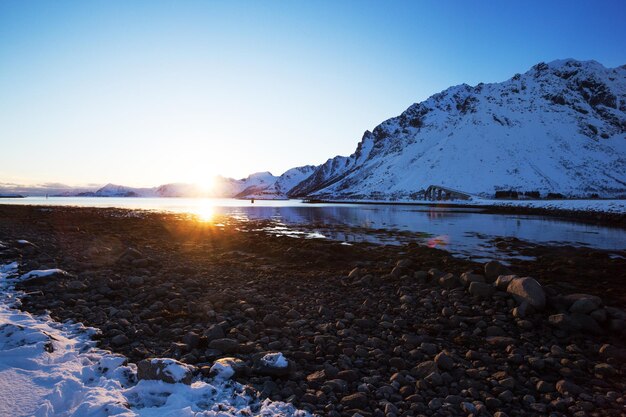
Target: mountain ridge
[558, 128]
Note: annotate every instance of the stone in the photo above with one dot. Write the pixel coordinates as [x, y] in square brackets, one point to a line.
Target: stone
[494, 269]
[586, 323]
[444, 361]
[599, 315]
[570, 299]
[449, 281]
[214, 332]
[429, 348]
[76, 285]
[348, 375]
[467, 278]
[604, 370]
[120, 340]
[355, 401]
[544, 387]
[584, 305]
[612, 352]
[562, 322]
[225, 345]
[165, 369]
[565, 387]
[425, 368]
[229, 367]
[500, 340]
[192, 340]
[272, 320]
[503, 281]
[135, 281]
[480, 289]
[435, 404]
[529, 290]
[272, 364]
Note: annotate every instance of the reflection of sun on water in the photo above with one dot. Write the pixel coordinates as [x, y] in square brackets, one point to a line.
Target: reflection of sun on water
[205, 212]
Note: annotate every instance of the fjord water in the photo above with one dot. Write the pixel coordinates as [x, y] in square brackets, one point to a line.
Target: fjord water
[467, 232]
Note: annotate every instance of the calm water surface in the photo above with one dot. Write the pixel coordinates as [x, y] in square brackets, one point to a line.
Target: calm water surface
[465, 232]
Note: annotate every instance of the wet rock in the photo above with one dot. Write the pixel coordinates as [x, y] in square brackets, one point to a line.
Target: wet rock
[467, 278]
[449, 281]
[529, 290]
[494, 269]
[503, 281]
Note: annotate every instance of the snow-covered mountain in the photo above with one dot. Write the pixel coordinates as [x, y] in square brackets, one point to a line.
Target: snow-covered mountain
[113, 190]
[179, 190]
[560, 127]
[277, 187]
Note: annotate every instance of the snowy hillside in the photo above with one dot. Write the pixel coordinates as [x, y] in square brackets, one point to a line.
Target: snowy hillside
[179, 190]
[278, 187]
[560, 127]
[112, 190]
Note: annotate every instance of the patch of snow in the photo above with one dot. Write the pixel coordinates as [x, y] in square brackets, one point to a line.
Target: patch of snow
[50, 369]
[275, 360]
[42, 273]
[173, 368]
[222, 370]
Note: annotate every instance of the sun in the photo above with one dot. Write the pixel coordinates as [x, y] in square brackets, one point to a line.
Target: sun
[206, 184]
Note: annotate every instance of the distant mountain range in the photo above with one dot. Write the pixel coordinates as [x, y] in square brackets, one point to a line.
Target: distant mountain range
[558, 128]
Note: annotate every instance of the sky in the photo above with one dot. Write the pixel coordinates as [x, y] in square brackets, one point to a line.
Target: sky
[143, 93]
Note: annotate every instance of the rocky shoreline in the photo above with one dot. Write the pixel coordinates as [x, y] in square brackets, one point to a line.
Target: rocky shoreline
[369, 330]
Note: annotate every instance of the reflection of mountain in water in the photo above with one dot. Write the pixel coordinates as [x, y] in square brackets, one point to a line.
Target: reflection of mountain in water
[466, 231]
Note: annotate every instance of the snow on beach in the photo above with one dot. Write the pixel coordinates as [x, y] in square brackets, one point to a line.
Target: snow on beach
[54, 369]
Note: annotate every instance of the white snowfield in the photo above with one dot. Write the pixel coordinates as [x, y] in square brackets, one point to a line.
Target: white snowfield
[50, 369]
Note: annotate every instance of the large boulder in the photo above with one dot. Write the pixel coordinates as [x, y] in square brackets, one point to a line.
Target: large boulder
[529, 290]
[585, 305]
[480, 289]
[166, 370]
[494, 269]
[467, 278]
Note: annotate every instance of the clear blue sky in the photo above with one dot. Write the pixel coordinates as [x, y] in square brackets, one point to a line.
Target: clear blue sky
[147, 92]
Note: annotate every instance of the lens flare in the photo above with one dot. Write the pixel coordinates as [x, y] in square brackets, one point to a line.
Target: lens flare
[441, 241]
